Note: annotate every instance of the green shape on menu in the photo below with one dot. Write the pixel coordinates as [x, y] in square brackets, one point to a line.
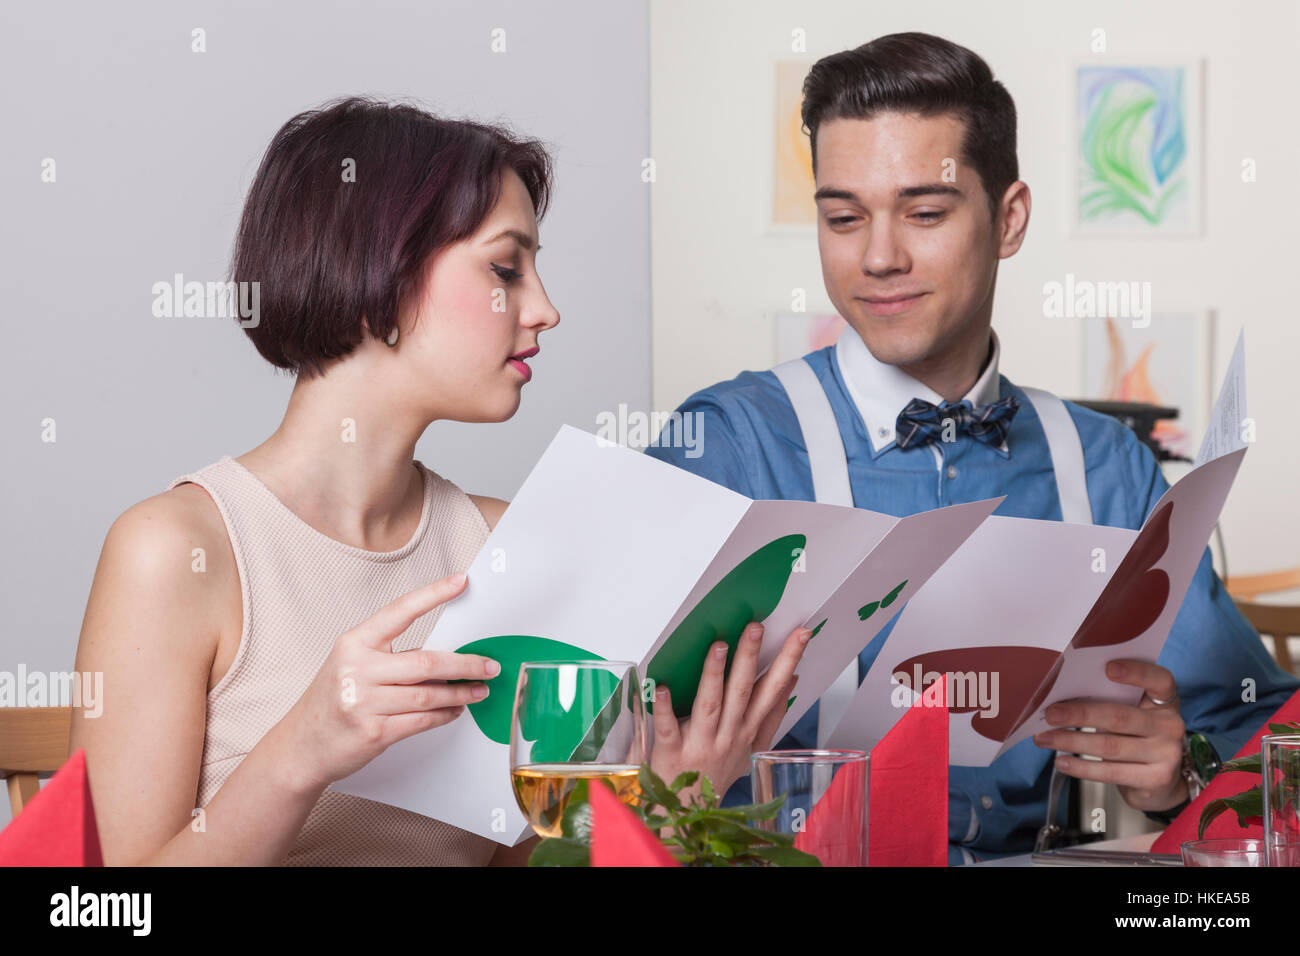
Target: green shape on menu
[564, 729]
[749, 592]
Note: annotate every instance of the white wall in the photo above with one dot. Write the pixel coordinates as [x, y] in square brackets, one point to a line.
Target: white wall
[717, 276]
[155, 148]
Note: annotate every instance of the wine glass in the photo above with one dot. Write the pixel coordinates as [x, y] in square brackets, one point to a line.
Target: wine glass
[575, 722]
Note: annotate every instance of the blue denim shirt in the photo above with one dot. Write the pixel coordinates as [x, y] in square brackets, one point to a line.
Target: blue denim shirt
[749, 440]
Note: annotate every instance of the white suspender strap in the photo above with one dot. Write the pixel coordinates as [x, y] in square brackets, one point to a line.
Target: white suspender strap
[1067, 455]
[830, 476]
[821, 434]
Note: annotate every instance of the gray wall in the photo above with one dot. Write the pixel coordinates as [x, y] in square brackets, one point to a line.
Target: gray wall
[155, 147]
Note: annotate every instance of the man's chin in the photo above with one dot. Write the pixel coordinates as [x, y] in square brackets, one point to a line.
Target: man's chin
[895, 346]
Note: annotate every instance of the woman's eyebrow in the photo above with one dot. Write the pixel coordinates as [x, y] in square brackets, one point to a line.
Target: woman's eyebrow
[522, 238]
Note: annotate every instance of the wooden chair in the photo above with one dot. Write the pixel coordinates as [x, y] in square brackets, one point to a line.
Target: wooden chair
[1247, 587]
[33, 741]
[1281, 622]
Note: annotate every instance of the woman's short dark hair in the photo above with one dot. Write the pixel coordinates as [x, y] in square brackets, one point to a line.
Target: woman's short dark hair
[346, 207]
[925, 74]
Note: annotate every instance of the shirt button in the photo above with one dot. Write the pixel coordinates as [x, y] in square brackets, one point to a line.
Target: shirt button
[883, 432]
[952, 473]
[986, 802]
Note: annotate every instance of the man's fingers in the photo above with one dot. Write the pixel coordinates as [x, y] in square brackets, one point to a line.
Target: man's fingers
[417, 665]
[1107, 746]
[740, 681]
[1141, 775]
[1157, 681]
[390, 621]
[1115, 718]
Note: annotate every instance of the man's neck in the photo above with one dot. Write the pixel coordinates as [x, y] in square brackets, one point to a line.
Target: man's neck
[954, 374]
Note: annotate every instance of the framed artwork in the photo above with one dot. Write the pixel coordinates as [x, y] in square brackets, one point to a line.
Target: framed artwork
[799, 333]
[1169, 362]
[1137, 148]
[791, 207]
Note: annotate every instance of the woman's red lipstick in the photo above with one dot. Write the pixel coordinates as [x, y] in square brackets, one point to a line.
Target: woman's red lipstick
[516, 362]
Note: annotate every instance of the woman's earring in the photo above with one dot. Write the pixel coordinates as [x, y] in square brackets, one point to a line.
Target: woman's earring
[392, 338]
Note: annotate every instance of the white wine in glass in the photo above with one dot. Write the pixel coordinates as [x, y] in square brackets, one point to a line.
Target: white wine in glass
[575, 724]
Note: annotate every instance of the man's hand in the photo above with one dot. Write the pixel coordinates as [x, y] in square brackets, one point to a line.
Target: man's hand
[1141, 747]
[730, 722]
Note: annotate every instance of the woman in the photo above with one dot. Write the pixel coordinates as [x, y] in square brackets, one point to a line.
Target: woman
[258, 624]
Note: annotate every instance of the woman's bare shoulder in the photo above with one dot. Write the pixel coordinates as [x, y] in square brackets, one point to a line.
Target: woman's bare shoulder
[490, 508]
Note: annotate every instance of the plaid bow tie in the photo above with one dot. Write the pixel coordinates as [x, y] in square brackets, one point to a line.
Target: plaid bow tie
[921, 423]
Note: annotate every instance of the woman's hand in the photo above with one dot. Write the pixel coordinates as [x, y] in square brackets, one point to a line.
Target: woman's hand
[725, 728]
[366, 698]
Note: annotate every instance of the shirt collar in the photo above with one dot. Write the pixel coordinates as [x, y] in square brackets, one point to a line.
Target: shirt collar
[881, 391]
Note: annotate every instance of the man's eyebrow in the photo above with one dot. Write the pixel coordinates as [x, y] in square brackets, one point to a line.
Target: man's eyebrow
[523, 239]
[908, 192]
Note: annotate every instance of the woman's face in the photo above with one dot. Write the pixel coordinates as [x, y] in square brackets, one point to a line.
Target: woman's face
[469, 343]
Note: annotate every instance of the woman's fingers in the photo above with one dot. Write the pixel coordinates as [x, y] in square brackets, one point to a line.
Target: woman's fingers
[771, 688]
[380, 629]
[707, 708]
[740, 682]
[417, 665]
[772, 719]
[668, 734]
[389, 699]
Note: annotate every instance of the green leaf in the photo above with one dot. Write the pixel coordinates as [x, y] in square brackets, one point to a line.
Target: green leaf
[560, 852]
[1249, 764]
[657, 791]
[1247, 804]
[576, 821]
[722, 848]
[684, 779]
[763, 811]
[1290, 728]
[706, 790]
[786, 856]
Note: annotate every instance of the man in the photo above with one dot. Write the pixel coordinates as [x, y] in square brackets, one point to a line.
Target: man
[918, 197]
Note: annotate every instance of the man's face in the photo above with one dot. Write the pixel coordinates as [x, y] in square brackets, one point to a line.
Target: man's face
[908, 253]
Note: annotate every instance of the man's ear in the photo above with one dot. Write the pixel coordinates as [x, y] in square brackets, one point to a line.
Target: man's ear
[1013, 219]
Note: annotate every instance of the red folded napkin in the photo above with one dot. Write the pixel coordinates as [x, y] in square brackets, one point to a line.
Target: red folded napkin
[830, 833]
[57, 828]
[618, 837]
[1225, 825]
[908, 786]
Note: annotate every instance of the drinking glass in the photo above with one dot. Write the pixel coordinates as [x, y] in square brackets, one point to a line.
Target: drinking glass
[573, 723]
[1280, 761]
[825, 800]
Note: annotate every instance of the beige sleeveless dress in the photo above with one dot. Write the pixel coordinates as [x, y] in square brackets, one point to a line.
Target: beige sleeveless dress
[301, 590]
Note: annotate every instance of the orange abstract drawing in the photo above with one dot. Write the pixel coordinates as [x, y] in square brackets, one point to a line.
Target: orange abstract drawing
[1126, 383]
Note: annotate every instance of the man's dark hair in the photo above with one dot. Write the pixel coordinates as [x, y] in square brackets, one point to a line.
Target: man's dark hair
[925, 74]
[327, 251]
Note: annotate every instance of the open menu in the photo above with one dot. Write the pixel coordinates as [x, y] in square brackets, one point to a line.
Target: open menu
[608, 553]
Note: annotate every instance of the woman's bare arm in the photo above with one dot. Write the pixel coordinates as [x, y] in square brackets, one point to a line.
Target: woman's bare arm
[151, 628]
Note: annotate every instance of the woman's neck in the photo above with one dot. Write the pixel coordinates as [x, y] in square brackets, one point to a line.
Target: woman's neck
[341, 460]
